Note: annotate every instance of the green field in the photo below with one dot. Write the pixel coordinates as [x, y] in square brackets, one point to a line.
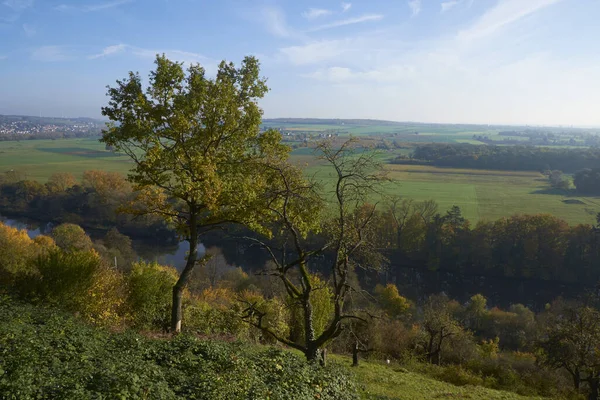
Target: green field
[38, 159]
[482, 195]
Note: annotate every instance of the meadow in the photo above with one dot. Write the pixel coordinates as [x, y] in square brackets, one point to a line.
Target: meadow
[38, 159]
[481, 195]
[382, 382]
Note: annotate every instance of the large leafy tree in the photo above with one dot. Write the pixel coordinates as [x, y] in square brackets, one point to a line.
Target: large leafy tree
[197, 148]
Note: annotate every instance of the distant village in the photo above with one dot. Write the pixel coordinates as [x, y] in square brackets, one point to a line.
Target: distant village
[21, 127]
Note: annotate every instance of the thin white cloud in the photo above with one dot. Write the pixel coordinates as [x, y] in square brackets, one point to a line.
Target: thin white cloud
[29, 30]
[447, 5]
[346, 6]
[18, 5]
[349, 21]
[313, 13]
[110, 50]
[388, 74]
[504, 13]
[176, 55]
[3, 57]
[415, 7]
[94, 7]
[51, 54]
[275, 22]
[315, 52]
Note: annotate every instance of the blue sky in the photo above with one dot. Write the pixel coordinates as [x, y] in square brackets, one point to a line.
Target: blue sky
[457, 61]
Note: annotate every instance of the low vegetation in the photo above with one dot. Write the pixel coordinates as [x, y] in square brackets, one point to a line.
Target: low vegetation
[48, 354]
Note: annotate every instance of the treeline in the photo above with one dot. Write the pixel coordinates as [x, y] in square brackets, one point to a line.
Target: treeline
[540, 247]
[93, 203]
[409, 233]
[587, 181]
[515, 158]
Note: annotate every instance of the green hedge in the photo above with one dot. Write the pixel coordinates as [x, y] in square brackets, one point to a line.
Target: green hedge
[47, 354]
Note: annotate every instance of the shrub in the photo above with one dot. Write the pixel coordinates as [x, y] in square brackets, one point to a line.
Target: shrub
[77, 281]
[71, 237]
[392, 302]
[150, 294]
[16, 252]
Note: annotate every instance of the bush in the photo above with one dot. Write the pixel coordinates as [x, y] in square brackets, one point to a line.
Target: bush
[150, 294]
[76, 281]
[204, 318]
[71, 237]
[458, 376]
[16, 252]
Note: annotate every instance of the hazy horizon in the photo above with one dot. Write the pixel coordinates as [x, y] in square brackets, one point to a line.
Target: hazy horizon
[501, 62]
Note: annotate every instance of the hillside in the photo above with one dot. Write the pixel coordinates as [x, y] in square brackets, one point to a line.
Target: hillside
[49, 354]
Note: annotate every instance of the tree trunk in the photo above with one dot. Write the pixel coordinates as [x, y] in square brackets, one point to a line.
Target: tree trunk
[355, 355]
[593, 382]
[430, 349]
[312, 350]
[177, 307]
[312, 353]
[576, 381]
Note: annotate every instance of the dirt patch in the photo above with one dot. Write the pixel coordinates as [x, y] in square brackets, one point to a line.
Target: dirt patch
[573, 201]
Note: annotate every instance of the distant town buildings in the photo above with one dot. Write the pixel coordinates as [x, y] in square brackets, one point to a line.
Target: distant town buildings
[27, 127]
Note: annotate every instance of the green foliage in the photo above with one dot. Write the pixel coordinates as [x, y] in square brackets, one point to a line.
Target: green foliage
[77, 281]
[274, 315]
[194, 138]
[321, 299]
[71, 237]
[46, 354]
[150, 288]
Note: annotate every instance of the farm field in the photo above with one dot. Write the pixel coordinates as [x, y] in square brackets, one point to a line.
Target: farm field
[481, 195]
[38, 159]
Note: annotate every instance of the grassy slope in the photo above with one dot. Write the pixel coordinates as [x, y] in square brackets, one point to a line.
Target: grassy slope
[381, 382]
[126, 363]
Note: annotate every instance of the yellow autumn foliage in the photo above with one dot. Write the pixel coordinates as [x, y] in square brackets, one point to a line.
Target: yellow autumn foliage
[16, 251]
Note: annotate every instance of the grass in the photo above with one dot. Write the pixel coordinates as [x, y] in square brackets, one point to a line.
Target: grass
[481, 195]
[382, 382]
[38, 159]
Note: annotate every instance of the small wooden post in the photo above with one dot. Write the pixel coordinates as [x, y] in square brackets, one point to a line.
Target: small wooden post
[355, 354]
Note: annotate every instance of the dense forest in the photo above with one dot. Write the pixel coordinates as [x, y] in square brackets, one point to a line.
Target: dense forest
[520, 158]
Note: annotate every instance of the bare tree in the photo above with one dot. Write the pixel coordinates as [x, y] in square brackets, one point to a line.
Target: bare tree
[299, 208]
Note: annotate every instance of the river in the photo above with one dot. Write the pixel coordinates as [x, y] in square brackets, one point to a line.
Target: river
[165, 255]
